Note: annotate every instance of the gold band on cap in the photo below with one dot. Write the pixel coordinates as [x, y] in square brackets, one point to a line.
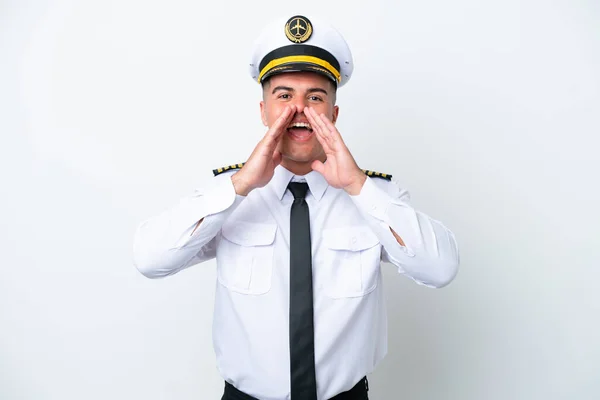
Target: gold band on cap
[303, 59]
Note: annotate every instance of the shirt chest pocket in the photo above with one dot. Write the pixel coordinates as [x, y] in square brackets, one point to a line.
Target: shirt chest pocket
[245, 257]
[351, 261]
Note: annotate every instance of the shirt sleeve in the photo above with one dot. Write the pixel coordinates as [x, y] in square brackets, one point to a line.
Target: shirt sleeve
[430, 255]
[172, 241]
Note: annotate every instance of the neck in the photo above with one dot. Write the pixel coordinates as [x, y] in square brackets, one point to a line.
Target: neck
[300, 167]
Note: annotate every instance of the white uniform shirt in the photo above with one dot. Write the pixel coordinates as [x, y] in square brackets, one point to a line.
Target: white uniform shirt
[250, 238]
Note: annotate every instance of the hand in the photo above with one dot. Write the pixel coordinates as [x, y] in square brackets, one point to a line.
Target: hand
[259, 168]
[340, 170]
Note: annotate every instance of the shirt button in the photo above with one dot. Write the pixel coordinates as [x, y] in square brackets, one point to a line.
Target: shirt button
[373, 208]
[353, 240]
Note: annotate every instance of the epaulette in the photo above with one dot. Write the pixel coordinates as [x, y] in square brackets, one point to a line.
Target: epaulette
[227, 168]
[375, 174]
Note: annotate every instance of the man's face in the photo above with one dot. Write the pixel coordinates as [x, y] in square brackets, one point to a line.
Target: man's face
[299, 143]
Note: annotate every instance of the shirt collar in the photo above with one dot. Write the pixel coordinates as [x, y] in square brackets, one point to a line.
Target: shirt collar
[281, 177]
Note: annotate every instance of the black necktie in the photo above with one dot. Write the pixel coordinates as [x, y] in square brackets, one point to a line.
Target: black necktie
[302, 335]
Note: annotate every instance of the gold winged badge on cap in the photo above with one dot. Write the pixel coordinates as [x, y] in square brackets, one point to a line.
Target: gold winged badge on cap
[298, 29]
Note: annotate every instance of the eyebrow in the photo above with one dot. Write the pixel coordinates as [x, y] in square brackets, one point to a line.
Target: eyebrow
[317, 90]
[289, 89]
[284, 88]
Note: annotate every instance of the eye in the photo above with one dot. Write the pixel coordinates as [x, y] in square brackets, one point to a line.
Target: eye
[284, 96]
[315, 98]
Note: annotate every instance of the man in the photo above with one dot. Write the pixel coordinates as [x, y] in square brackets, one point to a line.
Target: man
[299, 232]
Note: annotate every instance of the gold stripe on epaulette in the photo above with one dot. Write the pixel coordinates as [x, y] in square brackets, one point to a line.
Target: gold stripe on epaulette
[227, 168]
[376, 174]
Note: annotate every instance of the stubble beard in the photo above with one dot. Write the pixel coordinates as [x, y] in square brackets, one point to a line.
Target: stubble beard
[301, 153]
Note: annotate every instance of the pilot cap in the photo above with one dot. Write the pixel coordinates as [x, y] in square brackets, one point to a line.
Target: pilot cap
[301, 44]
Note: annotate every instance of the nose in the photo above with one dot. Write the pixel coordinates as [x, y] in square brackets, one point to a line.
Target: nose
[300, 104]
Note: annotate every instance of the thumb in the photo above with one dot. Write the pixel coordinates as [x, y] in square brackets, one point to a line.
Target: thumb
[318, 166]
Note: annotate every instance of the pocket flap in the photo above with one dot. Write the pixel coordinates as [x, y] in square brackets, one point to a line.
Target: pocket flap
[249, 233]
[353, 238]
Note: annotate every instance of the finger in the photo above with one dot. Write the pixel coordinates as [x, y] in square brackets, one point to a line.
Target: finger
[331, 127]
[322, 127]
[274, 129]
[318, 166]
[324, 144]
[273, 135]
[286, 116]
[328, 127]
[309, 112]
[322, 130]
[317, 130]
[314, 122]
[331, 133]
[284, 120]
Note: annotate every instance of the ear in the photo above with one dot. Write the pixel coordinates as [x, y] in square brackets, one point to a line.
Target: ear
[263, 115]
[336, 111]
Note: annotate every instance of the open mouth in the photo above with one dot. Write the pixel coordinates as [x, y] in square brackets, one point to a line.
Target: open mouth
[300, 130]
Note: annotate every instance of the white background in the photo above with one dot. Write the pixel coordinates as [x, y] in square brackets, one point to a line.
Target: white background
[488, 112]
